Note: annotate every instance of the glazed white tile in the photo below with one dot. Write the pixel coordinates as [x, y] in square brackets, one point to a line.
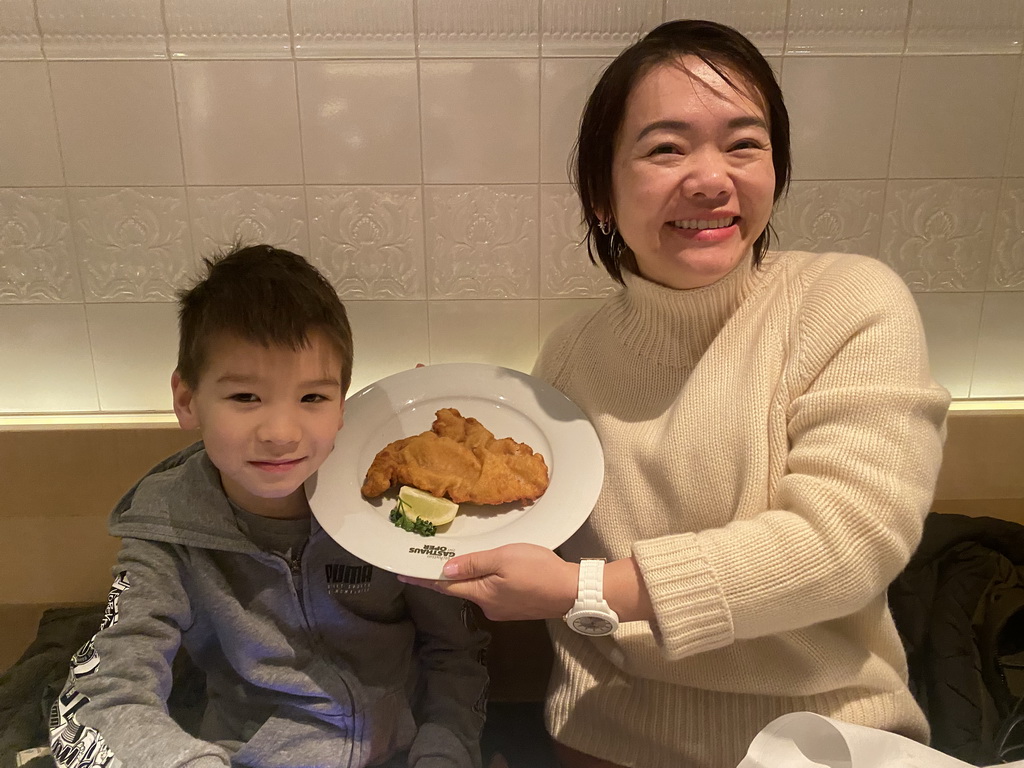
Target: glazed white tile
[999, 366]
[951, 323]
[132, 244]
[1015, 159]
[19, 34]
[116, 122]
[47, 367]
[360, 121]
[29, 152]
[38, 258]
[819, 216]
[239, 122]
[112, 29]
[330, 29]
[565, 267]
[1006, 271]
[841, 111]
[368, 241]
[595, 27]
[554, 312]
[224, 29]
[477, 27]
[938, 234]
[565, 86]
[482, 242]
[389, 337]
[953, 116]
[951, 26]
[222, 216]
[134, 350]
[847, 26]
[480, 121]
[495, 332]
[763, 21]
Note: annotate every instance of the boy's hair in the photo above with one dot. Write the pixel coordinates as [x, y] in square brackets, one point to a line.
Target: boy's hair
[263, 295]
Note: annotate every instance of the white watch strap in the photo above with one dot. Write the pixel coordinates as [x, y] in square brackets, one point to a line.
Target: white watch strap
[591, 582]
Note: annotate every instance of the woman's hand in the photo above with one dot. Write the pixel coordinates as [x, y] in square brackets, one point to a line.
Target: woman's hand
[515, 581]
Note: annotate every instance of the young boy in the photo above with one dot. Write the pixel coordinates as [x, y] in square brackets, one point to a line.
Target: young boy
[312, 657]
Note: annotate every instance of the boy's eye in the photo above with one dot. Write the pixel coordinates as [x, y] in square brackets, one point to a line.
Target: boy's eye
[244, 397]
[314, 397]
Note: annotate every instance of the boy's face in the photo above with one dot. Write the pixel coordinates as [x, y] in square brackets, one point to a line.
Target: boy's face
[268, 418]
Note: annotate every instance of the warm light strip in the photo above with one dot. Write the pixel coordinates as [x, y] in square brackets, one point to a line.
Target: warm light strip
[159, 419]
[47, 421]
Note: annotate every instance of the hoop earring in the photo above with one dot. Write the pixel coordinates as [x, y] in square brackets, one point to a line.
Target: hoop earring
[604, 226]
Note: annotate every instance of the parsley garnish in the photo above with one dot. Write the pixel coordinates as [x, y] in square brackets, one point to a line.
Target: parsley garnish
[399, 516]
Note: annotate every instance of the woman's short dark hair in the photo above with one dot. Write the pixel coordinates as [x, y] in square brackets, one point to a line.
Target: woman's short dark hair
[722, 48]
[264, 295]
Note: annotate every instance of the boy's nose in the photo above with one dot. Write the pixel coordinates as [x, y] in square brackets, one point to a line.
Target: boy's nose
[278, 426]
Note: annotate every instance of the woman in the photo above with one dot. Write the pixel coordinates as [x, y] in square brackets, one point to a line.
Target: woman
[771, 432]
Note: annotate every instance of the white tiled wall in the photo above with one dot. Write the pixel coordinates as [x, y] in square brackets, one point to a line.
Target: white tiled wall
[416, 151]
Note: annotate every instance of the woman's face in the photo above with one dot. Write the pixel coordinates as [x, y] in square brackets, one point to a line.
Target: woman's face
[692, 180]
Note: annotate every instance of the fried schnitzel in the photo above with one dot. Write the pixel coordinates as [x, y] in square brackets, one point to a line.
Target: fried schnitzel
[461, 459]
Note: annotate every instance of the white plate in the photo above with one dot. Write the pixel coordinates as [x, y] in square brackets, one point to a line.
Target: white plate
[509, 404]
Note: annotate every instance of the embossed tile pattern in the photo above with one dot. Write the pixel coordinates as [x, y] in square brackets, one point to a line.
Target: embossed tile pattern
[330, 29]
[763, 21]
[117, 175]
[368, 241]
[598, 27]
[38, 257]
[1007, 269]
[483, 241]
[112, 29]
[133, 244]
[255, 29]
[222, 216]
[565, 267]
[478, 27]
[846, 26]
[938, 234]
[19, 35]
[819, 216]
[980, 26]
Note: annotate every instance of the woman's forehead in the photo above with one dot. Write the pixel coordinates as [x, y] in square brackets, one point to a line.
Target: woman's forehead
[691, 74]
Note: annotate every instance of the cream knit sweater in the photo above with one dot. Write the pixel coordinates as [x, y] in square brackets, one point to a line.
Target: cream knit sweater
[771, 448]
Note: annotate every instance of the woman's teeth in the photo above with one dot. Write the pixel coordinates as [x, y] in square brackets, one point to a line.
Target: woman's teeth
[703, 223]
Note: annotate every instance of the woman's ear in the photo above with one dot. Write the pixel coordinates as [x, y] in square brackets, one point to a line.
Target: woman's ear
[184, 406]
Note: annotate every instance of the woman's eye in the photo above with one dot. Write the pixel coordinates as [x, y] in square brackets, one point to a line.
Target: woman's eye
[747, 144]
[664, 149]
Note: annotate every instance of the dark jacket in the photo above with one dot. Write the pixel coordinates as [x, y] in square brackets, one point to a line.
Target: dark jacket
[959, 608]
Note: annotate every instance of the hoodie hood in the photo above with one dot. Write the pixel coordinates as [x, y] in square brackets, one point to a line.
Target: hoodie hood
[180, 501]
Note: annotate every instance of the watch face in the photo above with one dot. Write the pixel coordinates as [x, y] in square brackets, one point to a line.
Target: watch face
[592, 625]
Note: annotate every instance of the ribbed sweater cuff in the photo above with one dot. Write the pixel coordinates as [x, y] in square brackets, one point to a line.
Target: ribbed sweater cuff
[691, 615]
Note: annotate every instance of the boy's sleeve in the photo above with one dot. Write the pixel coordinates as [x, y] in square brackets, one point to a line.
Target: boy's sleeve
[113, 709]
[450, 711]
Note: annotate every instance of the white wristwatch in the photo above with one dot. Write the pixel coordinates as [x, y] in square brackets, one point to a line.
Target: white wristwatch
[590, 614]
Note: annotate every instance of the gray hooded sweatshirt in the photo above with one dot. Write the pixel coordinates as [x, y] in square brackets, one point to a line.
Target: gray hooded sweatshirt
[325, 662]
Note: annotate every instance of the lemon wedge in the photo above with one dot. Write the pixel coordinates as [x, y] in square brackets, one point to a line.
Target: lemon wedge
[426, 506]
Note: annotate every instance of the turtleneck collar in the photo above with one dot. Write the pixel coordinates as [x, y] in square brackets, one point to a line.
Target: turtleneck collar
[676, 327]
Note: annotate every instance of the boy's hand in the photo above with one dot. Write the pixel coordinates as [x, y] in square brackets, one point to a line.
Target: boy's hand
[515, 581]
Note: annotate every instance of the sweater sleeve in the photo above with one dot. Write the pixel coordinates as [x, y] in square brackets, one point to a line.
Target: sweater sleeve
[113, 709]
[865, 426]
[452, 697]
